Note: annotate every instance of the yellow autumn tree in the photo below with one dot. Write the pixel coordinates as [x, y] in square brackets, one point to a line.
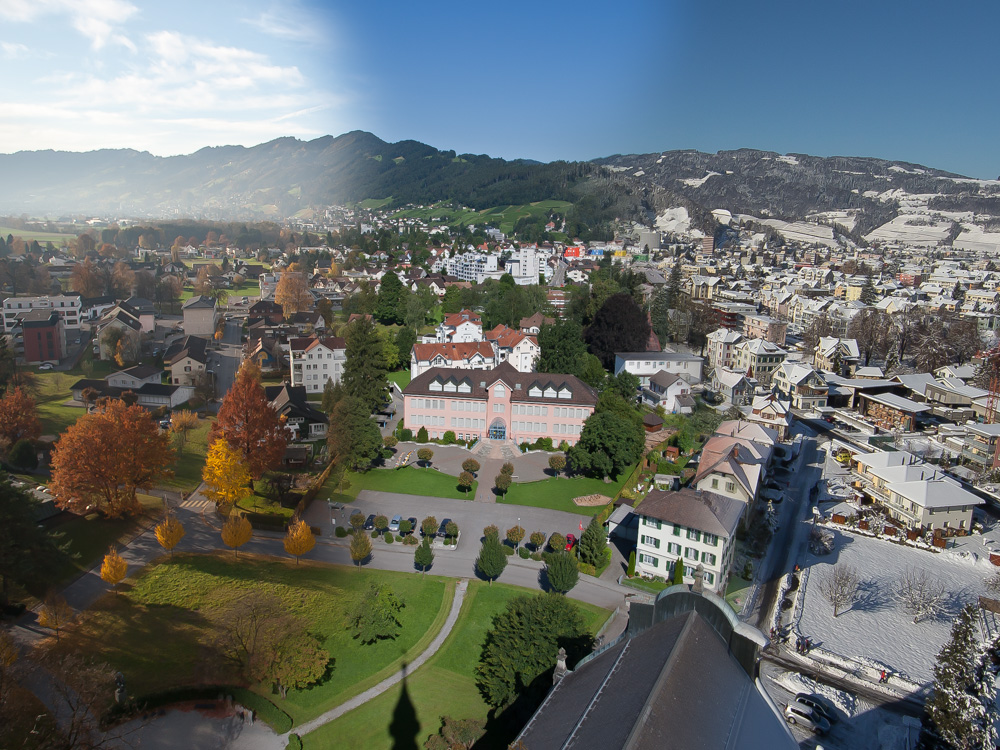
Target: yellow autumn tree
[299, 539]
[113, 569]
[169, 532]
[226, 474]
[55, 614]
[236, 532]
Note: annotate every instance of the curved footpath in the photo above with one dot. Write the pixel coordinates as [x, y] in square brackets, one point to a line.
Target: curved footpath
[388, 682]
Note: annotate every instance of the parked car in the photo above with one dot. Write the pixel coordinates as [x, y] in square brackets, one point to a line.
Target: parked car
[804, 716]
[394, 524]
[370, 522]
[413, 524]
[570, 541]
[45, 366]
[164, 424]
[443, 528]
[819, 705]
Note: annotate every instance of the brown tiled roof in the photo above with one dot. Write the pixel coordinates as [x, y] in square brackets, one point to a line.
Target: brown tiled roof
[453, 352]
[464, 316]
[507, 338]
[694, 509]
[520, 384]
[305, 343]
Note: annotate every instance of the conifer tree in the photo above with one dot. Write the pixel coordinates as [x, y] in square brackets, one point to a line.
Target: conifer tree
[593, 542]
[365, 370]
[492, 560]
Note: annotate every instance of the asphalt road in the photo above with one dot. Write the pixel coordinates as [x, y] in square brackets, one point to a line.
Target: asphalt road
[226, 361]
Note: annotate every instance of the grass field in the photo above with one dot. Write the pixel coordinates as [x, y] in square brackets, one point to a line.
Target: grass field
[175, 605]
[28, 235]
[558, 493]
[53, 393]
[88, 538]
[503, 217]
[400, 378]
[444, 686]
[407, 481]
[190, 460]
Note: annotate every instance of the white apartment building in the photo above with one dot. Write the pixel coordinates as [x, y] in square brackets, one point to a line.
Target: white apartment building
[314, 361]
[69, 307]
[721, 345]
[475, 267]
[645, 365]
[699, 527]
[525, 263]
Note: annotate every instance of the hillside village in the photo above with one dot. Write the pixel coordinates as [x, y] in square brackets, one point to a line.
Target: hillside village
[739, 414]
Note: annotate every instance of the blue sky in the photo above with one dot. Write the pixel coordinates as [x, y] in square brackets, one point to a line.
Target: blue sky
[914, 81]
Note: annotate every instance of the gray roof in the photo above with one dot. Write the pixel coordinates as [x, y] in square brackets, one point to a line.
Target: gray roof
[657, 356]
[677, 685]
[694, 509]
[897, 402]
[199, 302]
[521, 383]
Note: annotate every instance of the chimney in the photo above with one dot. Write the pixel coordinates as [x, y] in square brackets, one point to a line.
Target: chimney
[560, 670]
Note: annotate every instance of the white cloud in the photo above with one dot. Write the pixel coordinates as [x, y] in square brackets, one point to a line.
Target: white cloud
[288, 21]
[13, 50]
[95, 19]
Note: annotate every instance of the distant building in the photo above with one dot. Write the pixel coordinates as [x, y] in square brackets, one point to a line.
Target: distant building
[460, 327]
[315, 361]
[469, 355]
[42, 335]
[765, 327]
[645, 365]
[200, 316]
[69, 308]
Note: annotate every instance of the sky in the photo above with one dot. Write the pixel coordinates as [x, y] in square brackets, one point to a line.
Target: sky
[912, 81]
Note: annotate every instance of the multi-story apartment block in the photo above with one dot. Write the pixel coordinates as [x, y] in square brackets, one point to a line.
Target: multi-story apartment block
[980, 444]
[758, 359]
[801, 384]
[914, 494]
[475, 267]
[314, 361]
[520, 349]
[42, 335]
[720, 347]
[69, 307]
[501, 404]
[765, 327]
[645, 365]
[691, 527]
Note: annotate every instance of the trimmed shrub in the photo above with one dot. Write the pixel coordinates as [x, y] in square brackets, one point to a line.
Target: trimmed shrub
[586, 569]
[410, 540]
[536, 556]
[523, 553]
[294, 742]
[509, 551]
[375, 534]
[341, 532]
[388, 538]
[406, 434]
[448, 438]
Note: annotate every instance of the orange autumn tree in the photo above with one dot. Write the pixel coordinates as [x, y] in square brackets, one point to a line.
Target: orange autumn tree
[249, 424]
[106, 457]
[18, 416]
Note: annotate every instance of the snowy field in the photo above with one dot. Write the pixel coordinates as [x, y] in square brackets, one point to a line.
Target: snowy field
[876, 630]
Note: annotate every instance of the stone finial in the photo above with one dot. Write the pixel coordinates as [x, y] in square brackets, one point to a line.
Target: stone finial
[699, 579]
[561, 670]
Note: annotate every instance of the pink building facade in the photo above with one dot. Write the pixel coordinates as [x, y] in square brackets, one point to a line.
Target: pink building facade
[499, 404]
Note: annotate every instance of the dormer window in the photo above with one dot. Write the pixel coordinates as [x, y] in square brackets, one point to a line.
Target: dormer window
[435, 385]
[550, 392]
[464, 388]
[565, 393]
[535, 392]
[450, 387]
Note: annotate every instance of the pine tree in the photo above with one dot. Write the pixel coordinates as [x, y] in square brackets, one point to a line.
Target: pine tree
[593, 543]
[492, 560]
[869, 295]
[678, 578]
[423, 556]
[956, 712]
[562, 572]
[365, 370]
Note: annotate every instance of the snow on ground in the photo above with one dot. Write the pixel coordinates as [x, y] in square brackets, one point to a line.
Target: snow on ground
[674, 220]
[975, 239]
[795, 683]
[699, 181]
[846, 219]
[788, 160]
[803, 231]
[904, 228]
[723, 216]
[877, 630]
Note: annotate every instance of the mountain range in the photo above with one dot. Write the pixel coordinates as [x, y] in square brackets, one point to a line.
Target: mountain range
[679, 190]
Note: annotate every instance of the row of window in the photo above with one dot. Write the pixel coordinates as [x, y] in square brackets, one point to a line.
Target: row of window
[689, 570]
[319, 355]
[467, 422]
[440, 403]
[675, 549]
[530, 410]
[693, 534]
[429, 420]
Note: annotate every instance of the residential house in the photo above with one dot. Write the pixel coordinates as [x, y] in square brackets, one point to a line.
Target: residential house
[501, 404]
[837, 355]
[696, 526]
[765, 327]
[914, 494]
[473, 355]
[201, 316]
[40, 336]
[460, 327]
[980, 445]
[532, 325]
[892, 412]
[144, 310]
[301, 418]
[669, 391]
[134, 378]
[186, 360]
[772, 412]
[644, 365]
[732, 385]
[758, 359]
[720, 345]
[315, 361]
[149, 394]
[520, 349]
[801, 384]
[735, 467]
[119, 331]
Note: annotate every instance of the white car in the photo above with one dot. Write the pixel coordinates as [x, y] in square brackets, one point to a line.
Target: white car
[46, 366]
[805, 716]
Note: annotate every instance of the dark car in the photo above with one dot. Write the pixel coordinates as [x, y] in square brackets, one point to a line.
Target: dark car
[570, 541]
[370, 522]
[413, 524]
[443, 528]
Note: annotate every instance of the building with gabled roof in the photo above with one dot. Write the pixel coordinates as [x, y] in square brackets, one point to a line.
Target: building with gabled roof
[515, 347]
[471, 355]
[201, 315]
[302, 419]
[460, 327]
[314, 361]
[186, 360]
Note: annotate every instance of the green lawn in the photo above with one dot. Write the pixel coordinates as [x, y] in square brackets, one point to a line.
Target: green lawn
[190, 460]
[737, 591]
[444, 686]
[407, 481]
[88, 538]
[53, 393]
[28, 235]
[652, 587]
[174, 605]
[400, 378]
[558, 493]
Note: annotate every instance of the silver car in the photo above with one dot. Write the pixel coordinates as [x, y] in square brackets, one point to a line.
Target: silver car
[394, 524]
[803, 715]
[819, 705]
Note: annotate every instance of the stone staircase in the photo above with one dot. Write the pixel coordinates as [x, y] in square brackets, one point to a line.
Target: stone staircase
[503, 450]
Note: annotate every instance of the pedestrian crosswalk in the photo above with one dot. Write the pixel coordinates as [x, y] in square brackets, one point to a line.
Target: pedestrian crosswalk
[198, 504]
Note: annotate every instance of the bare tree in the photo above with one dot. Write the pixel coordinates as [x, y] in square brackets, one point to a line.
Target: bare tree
[919, 594]
[841, 588]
